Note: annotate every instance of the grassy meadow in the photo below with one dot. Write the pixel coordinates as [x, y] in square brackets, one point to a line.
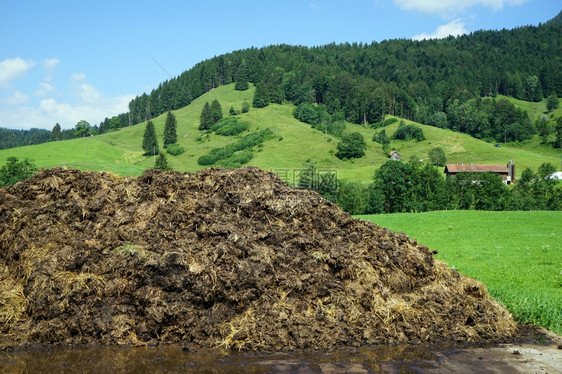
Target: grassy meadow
[518, 255]
[293, 144]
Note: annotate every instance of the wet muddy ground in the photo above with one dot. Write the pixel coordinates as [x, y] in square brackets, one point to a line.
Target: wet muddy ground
[544, 355]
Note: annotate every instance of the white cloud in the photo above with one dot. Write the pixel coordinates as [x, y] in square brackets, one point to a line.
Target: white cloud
[78, 77]
[13, 68]
[17, 98]
[50, 64]
[453, 28]
[50, 111]
[44, 89]
[44, 109]
[89, 94]
[451, 7]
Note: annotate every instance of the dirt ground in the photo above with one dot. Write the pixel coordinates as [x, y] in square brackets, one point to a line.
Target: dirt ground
[224, 259]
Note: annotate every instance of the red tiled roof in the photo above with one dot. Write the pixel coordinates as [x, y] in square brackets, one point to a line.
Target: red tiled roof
[458, 168]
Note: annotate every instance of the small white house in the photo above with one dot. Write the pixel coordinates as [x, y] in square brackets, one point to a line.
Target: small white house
[556, 176]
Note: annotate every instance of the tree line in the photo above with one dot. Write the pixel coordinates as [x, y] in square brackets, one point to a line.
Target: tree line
[398, 187]
[427, 81]
[411, 186]
[436, 82]
[18, 138]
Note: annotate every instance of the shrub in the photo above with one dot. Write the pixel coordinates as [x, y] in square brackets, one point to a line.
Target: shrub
[15, 171]
[223, 153]
[408, 132]
[230, 126]
[238, 159]
[175, 149]
[309, 113]
[206, 160]
[384, 123]
[437, 156]
[351, 146]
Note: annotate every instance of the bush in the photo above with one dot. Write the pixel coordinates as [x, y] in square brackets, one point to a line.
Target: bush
[384, 123]
[408, 132]
[381, 137]
[552, 102]
[230, 126]
[245, 107]
[238, 159]
[437, 156]
[223, 153]
[351, 146]
[309, 113]
[207, 159]
[175, 149]
[15, 171]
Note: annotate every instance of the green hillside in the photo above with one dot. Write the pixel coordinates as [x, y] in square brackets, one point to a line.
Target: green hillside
[293, 144]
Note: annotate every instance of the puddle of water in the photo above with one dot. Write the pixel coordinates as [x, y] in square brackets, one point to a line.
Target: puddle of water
[174, 359]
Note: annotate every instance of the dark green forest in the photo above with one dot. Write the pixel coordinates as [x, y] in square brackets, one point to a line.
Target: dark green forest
[440, 82]
[17, 138]
[436, 82]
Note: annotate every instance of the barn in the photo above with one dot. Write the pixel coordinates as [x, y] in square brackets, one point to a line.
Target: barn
[506, 172]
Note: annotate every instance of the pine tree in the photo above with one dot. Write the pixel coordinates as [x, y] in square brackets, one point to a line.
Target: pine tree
[206, 120]
[56, 133]
[170, 130]
[241, 78]
[161, 162]
[216, 111]
[149, 142]
[261, 95]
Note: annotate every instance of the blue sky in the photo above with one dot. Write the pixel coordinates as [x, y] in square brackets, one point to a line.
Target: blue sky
[62, 61]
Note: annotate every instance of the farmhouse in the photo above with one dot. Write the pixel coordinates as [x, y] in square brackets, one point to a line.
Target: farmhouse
[395, 156]
[506, 172]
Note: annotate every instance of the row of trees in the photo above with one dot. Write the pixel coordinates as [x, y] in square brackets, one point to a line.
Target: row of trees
[19, 138]
[410, 79]
[412, 187]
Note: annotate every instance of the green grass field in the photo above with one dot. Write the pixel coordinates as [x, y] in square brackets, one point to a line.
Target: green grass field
[294, 143]
[518, 255]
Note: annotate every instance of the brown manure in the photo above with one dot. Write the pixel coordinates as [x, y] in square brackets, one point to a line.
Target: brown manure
[231, 259]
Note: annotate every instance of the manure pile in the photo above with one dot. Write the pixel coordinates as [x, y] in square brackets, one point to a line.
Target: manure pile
[221, 258]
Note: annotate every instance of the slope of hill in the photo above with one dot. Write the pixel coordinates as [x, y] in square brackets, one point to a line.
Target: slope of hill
[293, 144]
[412, 79]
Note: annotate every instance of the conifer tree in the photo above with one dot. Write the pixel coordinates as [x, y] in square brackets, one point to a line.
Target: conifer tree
[216, 111]
[56, 133]
[206, 120]
[170, 130]
[161, 162]
[149, 142]
[261, 96]
[241, 78]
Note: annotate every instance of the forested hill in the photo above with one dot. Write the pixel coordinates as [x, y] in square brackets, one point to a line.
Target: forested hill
[416, 80]
[556, 20]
